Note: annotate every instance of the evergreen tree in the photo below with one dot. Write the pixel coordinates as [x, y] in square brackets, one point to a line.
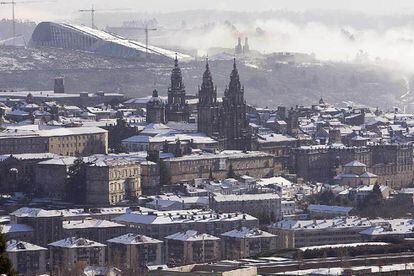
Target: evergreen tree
[76, 182]
[165, 175]
[231, 173]
[5, 264]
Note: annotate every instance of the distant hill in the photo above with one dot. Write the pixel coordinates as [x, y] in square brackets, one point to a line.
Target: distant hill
[268, 82]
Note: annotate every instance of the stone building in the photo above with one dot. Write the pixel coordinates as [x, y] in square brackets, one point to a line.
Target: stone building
[203, 165]
[177, 109]
[76, 141]
[226, 122]
[191, 247]
[155, 109]
[160, 224]
[71, 255]
[111, 180]
[47, 225]
[263, 206]
[278, 145]
[51, 176]
[93, 229]
[20, 232]
[129, 252]
[303, 233]
[244, 242]
[26, 258]
[17, 172]
[392, 163]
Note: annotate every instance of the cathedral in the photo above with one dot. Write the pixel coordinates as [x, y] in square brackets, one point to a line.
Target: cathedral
[227, 122]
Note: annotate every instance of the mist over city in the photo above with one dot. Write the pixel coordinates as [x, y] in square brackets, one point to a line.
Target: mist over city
[222, 137]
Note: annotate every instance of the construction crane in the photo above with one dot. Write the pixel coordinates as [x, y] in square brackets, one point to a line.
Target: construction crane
[146, 30]
[93, 11]
[13, 3]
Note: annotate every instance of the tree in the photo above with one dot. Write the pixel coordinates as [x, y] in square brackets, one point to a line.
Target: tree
[231, 173]
[76, 182]
[5, 264]
[165, 175]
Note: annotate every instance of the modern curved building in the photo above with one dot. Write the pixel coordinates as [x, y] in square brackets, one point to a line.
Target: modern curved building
[76, 37]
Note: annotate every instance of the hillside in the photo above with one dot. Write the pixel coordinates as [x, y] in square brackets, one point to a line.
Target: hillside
[268, 82]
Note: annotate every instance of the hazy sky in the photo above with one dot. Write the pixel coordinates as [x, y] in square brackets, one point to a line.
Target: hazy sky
[67, 8]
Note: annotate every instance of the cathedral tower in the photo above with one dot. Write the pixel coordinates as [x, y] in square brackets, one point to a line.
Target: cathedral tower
[177, 108]
[207, 108]
[234, 129]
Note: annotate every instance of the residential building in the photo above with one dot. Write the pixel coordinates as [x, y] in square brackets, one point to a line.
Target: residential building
[247, 242]
[27, 259]
[190, 247]
[72, 254]
[303, 233]
[160, 224]
[93, 229]
[132, 252]
[262, 206]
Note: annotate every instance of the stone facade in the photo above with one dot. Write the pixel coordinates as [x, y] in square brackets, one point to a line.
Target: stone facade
[69, 255]
[189, 167]
[190, 247]
[112, 181]
[262, 206]
[27, 259]
[159, 225]
[77, 141]
[132, 251]
[393, 164]
[244, 243]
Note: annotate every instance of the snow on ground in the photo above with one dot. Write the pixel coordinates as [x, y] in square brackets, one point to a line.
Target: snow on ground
[343, 245]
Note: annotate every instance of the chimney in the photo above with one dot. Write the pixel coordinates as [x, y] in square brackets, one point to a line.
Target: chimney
[59, 86]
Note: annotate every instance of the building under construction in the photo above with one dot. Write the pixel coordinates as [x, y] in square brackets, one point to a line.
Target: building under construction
[76, 37]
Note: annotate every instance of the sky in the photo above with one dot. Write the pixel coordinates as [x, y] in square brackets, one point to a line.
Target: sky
[66, 9]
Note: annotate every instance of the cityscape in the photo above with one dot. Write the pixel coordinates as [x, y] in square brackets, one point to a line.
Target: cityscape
[174, 141]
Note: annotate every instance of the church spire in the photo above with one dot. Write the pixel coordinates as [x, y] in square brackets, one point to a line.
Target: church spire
[176, 60]
[207, 93]
[234, 86]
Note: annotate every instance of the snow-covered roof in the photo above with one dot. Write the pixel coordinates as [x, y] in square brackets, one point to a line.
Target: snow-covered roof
[277, 180]
[15, 228]
[177, 217]
[191, 235]
[355, 163]
[245, 232]
[21, 246]
[74, 242]
[329, 209]
[336, 223]
[132, 44]
[245, 197]
[132, 238]
[89, 223]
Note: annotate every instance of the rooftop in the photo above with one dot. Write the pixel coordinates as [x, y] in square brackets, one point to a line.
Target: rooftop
[191, 235]
[90, 223]
[74, 242]
[245, 232]
[131, 238]
[21, 246]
